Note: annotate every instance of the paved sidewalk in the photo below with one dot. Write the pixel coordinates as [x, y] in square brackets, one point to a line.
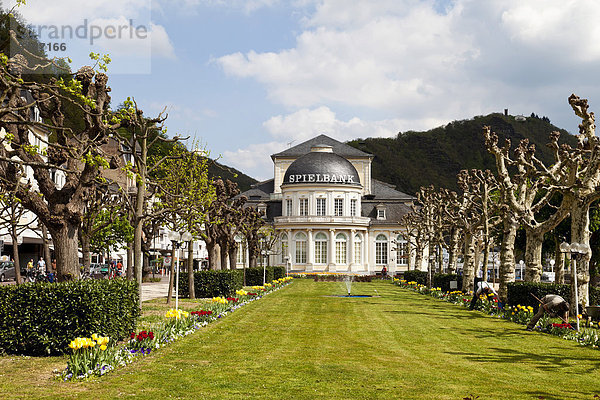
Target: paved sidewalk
[155, 290]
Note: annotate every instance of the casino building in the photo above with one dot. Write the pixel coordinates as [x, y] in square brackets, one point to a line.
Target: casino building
[329, 214]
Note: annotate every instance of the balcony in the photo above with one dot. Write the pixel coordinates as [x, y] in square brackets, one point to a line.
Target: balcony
[327, 220]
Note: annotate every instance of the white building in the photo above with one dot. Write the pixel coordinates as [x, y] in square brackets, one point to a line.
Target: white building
[329, 214]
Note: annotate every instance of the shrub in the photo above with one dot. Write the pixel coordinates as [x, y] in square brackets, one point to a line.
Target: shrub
[43, 318]
[212, 283]
[416, 276]
[254, 275]
[278, 272]
[519, 292]
[443, 281]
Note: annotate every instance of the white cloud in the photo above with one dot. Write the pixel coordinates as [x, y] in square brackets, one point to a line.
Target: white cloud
[247, 6]
[255, 159]
[421, 63]
[305, 124]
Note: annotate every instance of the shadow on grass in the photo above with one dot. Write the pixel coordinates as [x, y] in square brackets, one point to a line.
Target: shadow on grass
[436, 315]
[569, 392]
[546, 362]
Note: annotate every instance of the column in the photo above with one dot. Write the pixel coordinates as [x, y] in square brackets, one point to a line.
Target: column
[367, 252]
[331, 254]
[351, 250]
[289, 248]
[310, 246]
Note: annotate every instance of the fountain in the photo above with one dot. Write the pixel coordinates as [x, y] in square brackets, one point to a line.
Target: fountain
[348, 281]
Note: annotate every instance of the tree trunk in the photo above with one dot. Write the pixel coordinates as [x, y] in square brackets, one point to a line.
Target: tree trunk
[580, 223]
[233, 250]
[469, 263]
[16, 259]
[507, 256]
[486, 254]
[453, 250]
[46, 249]
[533, 255]
[171, 276]
[212, 254]
[66, 247]
[137, 257]
[559, 266]
[85, 251]
[224, 249]
[130, 261]
[190, 269]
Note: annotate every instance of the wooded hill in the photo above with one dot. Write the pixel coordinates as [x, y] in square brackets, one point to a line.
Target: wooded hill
[435, 157]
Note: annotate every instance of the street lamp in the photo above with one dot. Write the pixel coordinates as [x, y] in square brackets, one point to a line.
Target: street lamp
[176, 239]
[577, 251]
[522, 268]
[552, 262]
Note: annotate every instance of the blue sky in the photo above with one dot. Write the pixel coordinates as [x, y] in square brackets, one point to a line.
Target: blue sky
[246, 78]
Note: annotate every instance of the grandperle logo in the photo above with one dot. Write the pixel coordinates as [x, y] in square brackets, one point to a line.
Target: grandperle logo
[54, 36]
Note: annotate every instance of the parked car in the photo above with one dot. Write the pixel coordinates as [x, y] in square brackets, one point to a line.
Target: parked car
[96, 268]
[7, 270]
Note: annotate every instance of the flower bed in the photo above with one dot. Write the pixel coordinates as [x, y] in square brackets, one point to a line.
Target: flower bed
[97, 355]
[519, 314]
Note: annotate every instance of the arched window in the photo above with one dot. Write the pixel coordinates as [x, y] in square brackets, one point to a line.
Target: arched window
[357, 249]
[381, 250]
[340, 249]
[284, 247]
[320, 248]
[402, 250]
[300, 248]
[241, 250]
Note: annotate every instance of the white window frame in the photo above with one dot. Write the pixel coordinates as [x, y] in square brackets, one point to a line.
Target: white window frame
[381, 250]
[320, 248]
[357, 249]
[401, 250]
[321, 206]
[303, 207]
[341, 249]
[353, 203]
[300, 244]
[338, 207]
[289, 207]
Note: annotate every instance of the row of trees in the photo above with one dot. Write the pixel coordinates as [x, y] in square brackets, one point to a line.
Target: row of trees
[60, 124]
[522, 193]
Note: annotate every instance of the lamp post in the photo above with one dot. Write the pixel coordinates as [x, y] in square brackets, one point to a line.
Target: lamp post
[521, 268]
[176, 239]
[430, 272]
[552, 262]
[577, 251]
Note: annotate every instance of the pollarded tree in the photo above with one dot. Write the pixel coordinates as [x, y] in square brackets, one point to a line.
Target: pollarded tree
[528, 190]
[29, 113]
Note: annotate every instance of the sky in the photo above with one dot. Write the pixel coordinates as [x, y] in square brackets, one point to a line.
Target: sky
[247, 79]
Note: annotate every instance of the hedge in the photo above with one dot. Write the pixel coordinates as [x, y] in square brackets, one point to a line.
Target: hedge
[443, 281]
[254, 275]
[416, 275]
[212, 283]
[43, 318]
[519, 292]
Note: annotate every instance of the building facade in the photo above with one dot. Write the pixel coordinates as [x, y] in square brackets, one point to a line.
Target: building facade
[329, 214]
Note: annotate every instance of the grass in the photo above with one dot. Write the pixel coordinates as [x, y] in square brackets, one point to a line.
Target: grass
[299, 344]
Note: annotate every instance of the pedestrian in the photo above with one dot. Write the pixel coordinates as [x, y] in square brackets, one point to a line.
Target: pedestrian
[119, 268]
[384, 272]
[552, 304]
[483, 289]
[42, 265]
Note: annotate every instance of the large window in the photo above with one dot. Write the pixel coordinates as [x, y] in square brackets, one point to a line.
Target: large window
[241, 250]
[303, 207]
[381, 250]
[300, 248]
[353, 207]
[284, 247]
[402, 250]
[338, 207]
[288, 207]
[340, 249]
[320, 248]
[357, 249]
[321, 207]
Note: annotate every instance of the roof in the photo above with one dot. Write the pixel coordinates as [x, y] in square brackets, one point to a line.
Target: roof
[394, 211]
[381, 191]
[321, 168]
[339, 148]
[259, 191]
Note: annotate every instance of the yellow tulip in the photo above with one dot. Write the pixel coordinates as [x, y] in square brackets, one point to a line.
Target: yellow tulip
[103, 347]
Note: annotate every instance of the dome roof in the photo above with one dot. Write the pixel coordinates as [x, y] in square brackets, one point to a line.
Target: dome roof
[321, 166]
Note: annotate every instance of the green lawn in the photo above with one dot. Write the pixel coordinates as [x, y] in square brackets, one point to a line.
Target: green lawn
[299, 344]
